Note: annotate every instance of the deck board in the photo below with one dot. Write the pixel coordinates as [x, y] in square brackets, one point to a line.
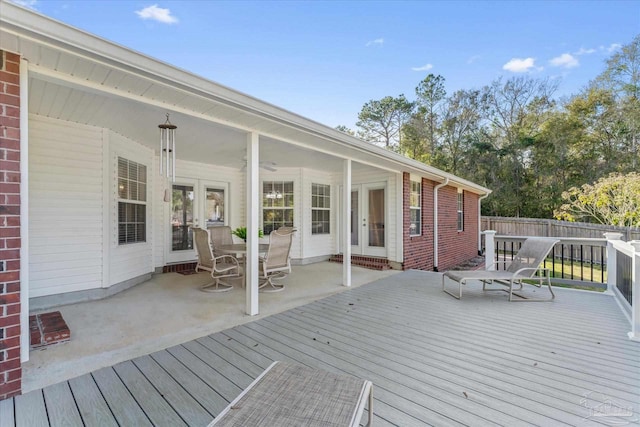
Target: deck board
[91, 404]
[61, 406]
[7, 416]
[433, 360]
[188, 408]
[124, 407]
[30, 409]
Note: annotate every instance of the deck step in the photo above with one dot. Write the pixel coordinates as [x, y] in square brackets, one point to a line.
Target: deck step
[372, 263]
[48, 328]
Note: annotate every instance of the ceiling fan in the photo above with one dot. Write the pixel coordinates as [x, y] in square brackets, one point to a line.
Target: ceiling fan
[263, 164]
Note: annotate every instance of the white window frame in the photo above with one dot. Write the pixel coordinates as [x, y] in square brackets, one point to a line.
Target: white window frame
[460, 210]
[139, 197]
[415, 207]
[269, 200]
[326, 207]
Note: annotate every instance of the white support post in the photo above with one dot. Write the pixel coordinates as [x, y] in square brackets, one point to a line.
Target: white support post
[489, 249]
[611, 261]
[253, 193]
[346, 223]
[24, 210]
[634, 335]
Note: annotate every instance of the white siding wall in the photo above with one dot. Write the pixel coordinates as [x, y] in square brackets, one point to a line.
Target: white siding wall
[65, 198]
[131, 260]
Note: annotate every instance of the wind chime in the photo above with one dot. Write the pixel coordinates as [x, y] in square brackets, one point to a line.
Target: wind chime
[168, 149]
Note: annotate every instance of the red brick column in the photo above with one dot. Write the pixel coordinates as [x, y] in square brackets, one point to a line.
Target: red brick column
[10, 369]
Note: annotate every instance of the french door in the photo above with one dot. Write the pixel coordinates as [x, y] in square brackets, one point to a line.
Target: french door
[368, 218]
[194, 203]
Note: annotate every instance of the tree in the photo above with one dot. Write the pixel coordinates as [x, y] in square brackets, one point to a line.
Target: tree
[613, 200]
[345, 129]
[380, 121]
[515, 109]
[461, 122]
[430, 93]
[622, 78]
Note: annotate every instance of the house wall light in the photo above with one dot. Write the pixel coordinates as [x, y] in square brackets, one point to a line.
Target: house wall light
[168, 149]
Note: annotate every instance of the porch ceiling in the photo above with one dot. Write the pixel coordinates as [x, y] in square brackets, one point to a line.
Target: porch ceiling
[198, 139]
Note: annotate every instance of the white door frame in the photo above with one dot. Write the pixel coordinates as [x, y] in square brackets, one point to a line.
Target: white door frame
[199, 215]
[362, 222]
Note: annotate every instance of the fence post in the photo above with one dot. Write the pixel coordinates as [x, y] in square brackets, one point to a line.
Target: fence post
[634, 335]
[489, 249]
[611, 261]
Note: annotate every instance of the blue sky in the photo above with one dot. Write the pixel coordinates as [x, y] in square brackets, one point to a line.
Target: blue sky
[325, 59]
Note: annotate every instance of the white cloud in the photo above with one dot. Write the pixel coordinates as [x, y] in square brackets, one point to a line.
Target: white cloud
[583, 51]
[519, 65]
[425, 67]
[473, 59]
[566, 60]
[31, 4]
[613, 47]
[376, 42]
[156, 13]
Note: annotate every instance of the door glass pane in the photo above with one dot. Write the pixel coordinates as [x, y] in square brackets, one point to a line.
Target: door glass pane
[355, 223]
[182, 217]
[214, 205]
[376, 217]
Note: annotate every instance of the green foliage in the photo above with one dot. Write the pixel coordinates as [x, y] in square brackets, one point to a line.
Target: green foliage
[513, 137]
[380, 121]
[613, 200]
[241, 232]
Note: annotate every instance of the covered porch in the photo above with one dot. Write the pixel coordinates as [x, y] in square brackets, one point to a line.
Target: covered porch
[433, 360]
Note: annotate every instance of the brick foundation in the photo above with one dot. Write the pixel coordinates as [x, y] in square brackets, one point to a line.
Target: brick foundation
[10, 368]
[372, 263]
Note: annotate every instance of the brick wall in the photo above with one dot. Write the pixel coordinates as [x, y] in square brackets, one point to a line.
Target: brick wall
[10, 370]
[418, 250]
[454, 247]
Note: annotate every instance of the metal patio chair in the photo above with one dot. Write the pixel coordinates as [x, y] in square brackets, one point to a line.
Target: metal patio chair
[523, 269]
[221, 267]
[276, 264]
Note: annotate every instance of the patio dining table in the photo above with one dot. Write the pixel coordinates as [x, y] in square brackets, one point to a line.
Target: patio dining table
[239, 250]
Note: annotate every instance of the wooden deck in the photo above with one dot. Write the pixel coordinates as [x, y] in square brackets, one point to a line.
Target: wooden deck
[433, 360]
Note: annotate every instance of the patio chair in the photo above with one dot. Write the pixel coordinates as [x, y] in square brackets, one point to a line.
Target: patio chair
[220, 235]
[523, 269]
[221, 267]
[276, 264]
[285, 229]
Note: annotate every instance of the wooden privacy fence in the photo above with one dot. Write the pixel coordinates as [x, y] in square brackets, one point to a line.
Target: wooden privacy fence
[554, 228]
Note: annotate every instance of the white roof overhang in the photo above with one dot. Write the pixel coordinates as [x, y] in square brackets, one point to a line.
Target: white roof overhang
[78, 77]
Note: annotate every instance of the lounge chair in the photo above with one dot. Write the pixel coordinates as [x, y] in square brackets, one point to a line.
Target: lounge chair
[523, 269]
[276, 264]
[221, 267]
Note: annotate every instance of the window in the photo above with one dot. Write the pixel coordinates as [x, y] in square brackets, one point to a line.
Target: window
[415, 203]
[132, 202]
[460, 210]
[320, 208]
[277, 205]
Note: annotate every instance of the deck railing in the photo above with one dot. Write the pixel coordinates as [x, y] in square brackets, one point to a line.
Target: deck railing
[607, 263]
